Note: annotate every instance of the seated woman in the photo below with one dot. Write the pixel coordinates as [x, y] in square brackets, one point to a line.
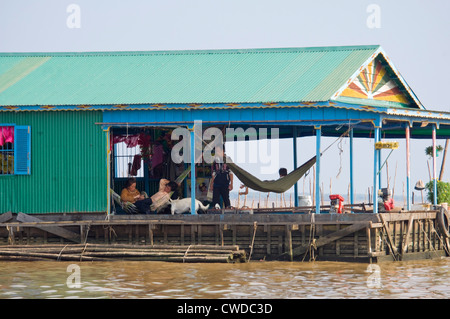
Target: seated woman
[144, 204]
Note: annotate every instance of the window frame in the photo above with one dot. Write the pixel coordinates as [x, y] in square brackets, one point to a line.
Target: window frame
[21, 149]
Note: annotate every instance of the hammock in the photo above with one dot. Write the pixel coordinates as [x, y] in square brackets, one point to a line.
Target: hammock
[126, 206]
[131, 208]
[183, 175]
[280, 185]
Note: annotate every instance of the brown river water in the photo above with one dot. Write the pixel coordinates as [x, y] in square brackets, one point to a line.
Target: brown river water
[259, 280]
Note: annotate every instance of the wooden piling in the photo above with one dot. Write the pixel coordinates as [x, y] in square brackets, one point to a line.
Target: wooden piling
[262, 235]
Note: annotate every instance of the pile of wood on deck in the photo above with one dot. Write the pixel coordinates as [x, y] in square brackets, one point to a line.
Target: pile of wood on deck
[98, 252]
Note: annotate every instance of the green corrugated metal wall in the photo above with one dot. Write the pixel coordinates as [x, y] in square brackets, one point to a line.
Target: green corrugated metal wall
[68, 164]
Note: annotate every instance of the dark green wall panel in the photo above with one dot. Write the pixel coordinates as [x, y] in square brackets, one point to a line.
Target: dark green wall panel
[68, 164]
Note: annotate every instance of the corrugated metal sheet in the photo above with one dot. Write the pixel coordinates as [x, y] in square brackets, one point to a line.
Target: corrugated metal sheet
[68, 165]
[221, 76]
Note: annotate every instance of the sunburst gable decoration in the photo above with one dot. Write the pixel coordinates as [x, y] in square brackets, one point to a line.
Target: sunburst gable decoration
[375, 83]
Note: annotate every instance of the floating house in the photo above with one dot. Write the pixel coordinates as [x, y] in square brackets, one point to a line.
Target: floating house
[63, 116]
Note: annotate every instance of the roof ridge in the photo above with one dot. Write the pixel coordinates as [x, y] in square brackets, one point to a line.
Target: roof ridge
[206, 51]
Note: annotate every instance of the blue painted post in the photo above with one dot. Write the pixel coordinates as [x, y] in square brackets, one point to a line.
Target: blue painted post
[108, 171]
[185, 185]
[352, 195]
[146, 178]
[408, 168]
[375, 170]
[379, 161]
[318, 136]
[294, 140]
[193, 181]
[434, 167]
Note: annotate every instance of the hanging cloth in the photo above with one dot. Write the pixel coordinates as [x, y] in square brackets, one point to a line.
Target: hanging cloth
[136, 165]
[280, 185]
[6, 134]
[158, 155]
[130, 140]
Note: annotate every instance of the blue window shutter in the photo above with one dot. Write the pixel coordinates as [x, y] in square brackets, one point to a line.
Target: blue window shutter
[22, 150]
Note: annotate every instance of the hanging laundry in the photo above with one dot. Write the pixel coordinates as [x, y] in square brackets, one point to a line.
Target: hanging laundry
[145, 144]
[6, 134]
[2, 139]
[130, 140]
[9, 134]
[136, 165]
[158, 155]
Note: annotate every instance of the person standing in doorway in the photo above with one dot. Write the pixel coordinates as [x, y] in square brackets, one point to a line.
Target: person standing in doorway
[221, 182]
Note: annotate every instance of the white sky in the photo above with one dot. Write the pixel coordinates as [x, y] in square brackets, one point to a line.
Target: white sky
[414, 33]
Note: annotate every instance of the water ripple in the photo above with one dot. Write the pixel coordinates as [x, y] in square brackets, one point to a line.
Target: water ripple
[158, 280]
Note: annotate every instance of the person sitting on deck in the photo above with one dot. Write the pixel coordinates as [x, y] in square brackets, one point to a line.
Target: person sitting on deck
[144, 204]
[385, 200]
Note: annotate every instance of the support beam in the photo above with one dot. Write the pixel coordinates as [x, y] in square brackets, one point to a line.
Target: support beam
[379, 161]
[352, 193]
[108, 171]
[294, 141]
[408, 168]
[193, 181]
[441, 174]
[434, 166]
[375, 168]
[59, 231]
[318, 138]
[324, 240]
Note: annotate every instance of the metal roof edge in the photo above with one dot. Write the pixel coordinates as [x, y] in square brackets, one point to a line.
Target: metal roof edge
[175, 52]
[399, 111]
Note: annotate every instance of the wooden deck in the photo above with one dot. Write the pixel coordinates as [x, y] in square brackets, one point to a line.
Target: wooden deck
[362, 237]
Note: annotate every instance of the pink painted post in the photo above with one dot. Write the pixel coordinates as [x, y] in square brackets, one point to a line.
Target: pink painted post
[408, 170]
[434, 167]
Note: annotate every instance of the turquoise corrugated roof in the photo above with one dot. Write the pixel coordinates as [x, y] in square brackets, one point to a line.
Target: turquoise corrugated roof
[170, 77]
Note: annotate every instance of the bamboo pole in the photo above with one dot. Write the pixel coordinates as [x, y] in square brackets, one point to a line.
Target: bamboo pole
[387, 174]
[259, 200]
[441, 174]
[314, 186]
[395, 178]
[321, 195]
[429, 171]
[99, 252]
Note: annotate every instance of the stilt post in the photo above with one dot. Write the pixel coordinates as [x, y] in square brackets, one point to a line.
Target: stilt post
[318, 138]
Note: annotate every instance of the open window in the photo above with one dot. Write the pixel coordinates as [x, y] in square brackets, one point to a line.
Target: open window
[15, 150]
